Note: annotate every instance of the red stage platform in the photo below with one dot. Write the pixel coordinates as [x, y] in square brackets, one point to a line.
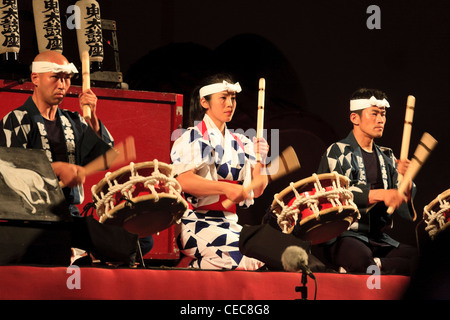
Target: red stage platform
[95, 283]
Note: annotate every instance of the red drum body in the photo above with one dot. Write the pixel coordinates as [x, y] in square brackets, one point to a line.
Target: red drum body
[144, 198]
[321, 207]
[437, 214]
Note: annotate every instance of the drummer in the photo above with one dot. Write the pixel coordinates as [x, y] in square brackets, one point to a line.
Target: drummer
[40, 124]
[67, 139]
[212, 164]
[373, 172]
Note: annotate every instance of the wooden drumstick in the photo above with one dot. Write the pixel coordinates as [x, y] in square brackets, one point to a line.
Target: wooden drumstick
[124, 153]
[409, 115]
[85, 70]
[286, 163]
[260, 120]
[423, 150]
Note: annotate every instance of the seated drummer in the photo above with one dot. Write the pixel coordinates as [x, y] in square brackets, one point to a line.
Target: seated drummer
[212, 164]
[209, 232]
[373, 172]
[68, 141]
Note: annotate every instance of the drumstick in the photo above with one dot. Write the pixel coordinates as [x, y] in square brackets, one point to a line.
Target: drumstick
[410, 104]
[286, 163]
[260, 120]
[125, 152]
[423, 150]
[85, 69]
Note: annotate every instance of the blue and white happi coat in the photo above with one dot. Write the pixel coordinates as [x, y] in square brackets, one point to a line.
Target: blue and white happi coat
[345, 158]
[210, 233]
[24, 128]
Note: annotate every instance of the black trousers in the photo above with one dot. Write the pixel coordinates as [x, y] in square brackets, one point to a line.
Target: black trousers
[107, 243]
[355, 256]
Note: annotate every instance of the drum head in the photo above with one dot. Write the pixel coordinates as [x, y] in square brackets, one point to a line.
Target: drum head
[306, 185]
[123, 174]
[329, 220]
[330, 224]
[146, 216]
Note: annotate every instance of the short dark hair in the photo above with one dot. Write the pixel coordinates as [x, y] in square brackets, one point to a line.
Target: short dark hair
[365, 93]
[196, 111]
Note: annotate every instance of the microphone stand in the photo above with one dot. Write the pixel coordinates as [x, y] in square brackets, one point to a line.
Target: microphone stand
[303, 289]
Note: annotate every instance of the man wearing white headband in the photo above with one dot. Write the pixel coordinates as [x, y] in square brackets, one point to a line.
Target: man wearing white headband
[373, 172]
[68, 141]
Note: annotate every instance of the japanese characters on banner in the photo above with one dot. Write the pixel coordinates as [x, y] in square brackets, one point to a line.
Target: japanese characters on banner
[9, 27]
[48, 25]
[90, 32]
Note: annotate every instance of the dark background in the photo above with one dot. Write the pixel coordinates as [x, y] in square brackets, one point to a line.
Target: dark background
[313, 55]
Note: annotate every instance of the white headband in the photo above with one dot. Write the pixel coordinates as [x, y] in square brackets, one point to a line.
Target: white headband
[45, 66]
[359, 104]
[219, 87]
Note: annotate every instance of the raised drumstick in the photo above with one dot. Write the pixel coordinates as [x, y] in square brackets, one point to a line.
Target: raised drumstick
[423, 150]
[85, 69]
[124, 153]
[286, 163]
[260, 120]
[409, 115]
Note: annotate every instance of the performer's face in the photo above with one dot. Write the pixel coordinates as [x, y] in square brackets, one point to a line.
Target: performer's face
[53, 86]
[372, 121]
[221, 107]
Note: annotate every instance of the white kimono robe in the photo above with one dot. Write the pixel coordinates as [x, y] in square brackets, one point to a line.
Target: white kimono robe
[209, 232]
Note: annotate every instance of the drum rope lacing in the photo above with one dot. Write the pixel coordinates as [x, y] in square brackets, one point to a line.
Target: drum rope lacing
[436, 220]
[107, 200]
[289, 214]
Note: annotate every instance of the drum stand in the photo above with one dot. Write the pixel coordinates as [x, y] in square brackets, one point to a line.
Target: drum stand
[141, 257]
[303, 289]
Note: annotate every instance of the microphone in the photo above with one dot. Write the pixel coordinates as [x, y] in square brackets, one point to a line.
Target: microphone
[295, 259]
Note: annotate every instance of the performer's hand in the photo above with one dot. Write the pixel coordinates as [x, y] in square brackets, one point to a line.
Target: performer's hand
[235, 192]
[69, 174]
[261, 146]
[89, 98]
[393, 198]
[402, 166]
[390, 197]
[408, 189]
